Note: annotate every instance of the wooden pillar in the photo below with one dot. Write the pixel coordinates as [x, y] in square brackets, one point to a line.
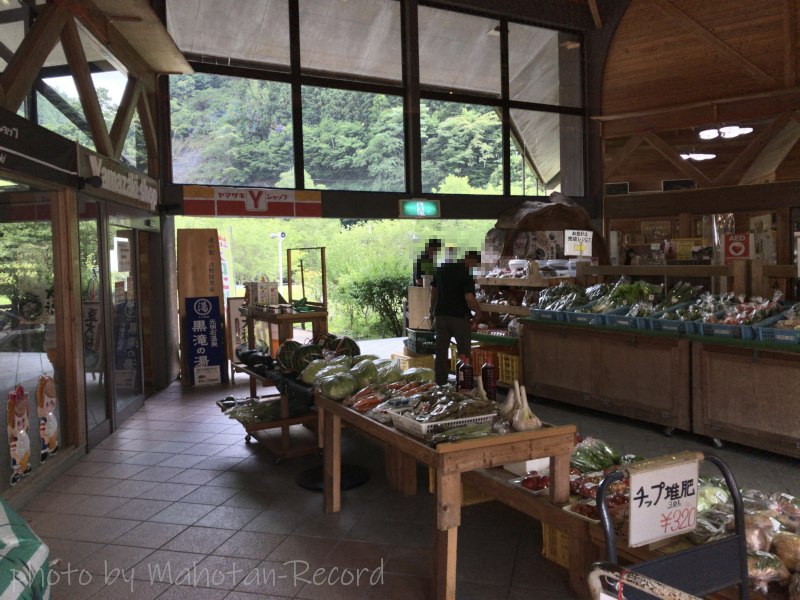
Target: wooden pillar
[685, 225]
[332, 480]
[66, 276]
[445, 546]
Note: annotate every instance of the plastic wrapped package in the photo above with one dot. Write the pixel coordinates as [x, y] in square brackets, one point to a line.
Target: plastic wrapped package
[789, 505]
[314, 367]
[787, 547]
[711, 491]
[328, 370]
[366, 372]
[338, 386]
[390, 373]
[593, 455]
[422, 374]
[763, 567]
[756, 500]
[760, 528]
[711, 525]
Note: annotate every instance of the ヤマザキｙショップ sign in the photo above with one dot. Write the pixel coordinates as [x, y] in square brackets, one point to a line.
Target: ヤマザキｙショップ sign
[119, 182]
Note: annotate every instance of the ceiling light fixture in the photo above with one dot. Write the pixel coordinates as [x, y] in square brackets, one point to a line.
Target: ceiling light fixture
[709, 134]
[698, 156]
[728, 132]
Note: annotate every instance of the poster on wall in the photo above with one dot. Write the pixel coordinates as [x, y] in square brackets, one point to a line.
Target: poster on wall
[123, 255]
[237, 326]
[206, 358]
[226, 264]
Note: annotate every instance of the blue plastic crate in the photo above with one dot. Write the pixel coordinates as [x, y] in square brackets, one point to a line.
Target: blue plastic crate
[619, 318]
[657, 323]
[548, 315]
[585, 318]
[767, 333]
[731, 332]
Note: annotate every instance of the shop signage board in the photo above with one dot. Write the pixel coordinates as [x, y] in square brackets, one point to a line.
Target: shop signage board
[237, 326]
[207, 201]
[28, 149]
[120, 183]
[663, 498]
[204, 341]
[737, 246]
[577, 242]
[420, 208]
[91, 316]
[226, 263]
[123, 255]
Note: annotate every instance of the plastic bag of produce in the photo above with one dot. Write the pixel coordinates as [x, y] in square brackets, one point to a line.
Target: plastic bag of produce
[756, 501]
[338, 386]
[419, 374]
[390, 373]
[787, 547]
[382, 362]
[328, 370]
[711, 491]
[593, 455]
[711, 526]
[314, 367]
[789, 505]
[794, 588]
[343, 359]
[365, 372]
[629, 459]
[763, 567]
[359, 358]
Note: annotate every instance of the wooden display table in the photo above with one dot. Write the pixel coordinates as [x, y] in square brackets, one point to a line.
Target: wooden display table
[450, 461]
[281, 326]
[632, 373]
[747, 393]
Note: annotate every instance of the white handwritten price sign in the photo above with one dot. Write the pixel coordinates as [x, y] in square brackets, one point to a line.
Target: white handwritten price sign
[577, 242]
[663, 498]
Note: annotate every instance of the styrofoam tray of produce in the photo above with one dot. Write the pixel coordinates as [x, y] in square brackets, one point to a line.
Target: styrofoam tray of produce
[418, 429]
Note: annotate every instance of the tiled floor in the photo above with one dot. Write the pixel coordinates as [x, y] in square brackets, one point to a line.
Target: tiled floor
[176, 506]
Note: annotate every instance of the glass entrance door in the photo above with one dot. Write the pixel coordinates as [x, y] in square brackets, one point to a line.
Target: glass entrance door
[125, 321]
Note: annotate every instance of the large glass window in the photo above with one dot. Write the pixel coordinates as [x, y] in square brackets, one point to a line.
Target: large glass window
[358, 37]
[459, 51]
[553, 146]
[461, 148]
[227, 130]
[31, 377]
[247, 30]
[544, 66]
[353, 140]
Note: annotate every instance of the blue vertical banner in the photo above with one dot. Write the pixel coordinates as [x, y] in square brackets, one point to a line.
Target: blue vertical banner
[206, 343]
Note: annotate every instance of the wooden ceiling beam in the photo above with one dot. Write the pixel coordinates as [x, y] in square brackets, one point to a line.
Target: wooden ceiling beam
[712, 40]
[789, 43]
[22, 70]
[122, 121]
[632, 144]
[773, 154]
[78, 65]
[598, 23]
[730, 173]
[795, 116]
[684, 166]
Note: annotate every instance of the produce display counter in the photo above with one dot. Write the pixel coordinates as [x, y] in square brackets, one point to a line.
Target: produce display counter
[634, 373]
[449, 461]
[748, 393]
[582, 554]
[281, 326]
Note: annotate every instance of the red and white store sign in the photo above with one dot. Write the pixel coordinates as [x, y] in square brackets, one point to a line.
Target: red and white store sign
[736, 246]
[203, 201]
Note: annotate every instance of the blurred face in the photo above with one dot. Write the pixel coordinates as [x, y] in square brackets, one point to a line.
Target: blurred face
[431, 251]
[20, 422]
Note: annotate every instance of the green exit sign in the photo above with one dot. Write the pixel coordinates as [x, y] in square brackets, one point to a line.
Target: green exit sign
[419, 209]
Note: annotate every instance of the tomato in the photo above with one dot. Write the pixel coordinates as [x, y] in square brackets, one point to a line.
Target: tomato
[544, 482]
[532, 483]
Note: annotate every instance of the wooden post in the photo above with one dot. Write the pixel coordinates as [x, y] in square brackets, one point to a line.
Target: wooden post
[559, 479]
[251, 343]
[289, 272]
[759, 283]
[332, 484]
[448, 499]
[407, 475]
[741, 279]
[324, 280]
[445, 546]
[321, 427]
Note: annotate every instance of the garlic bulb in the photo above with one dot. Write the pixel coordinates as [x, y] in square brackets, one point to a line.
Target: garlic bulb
[524, 419]
[509, 406]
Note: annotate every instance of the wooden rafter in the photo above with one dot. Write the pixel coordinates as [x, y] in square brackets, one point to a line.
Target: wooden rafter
[22, 70]
[632, 144]
[148, 127]
[684, 166]
[789, 43]
[772, 155]
[122, 121]
[795, 116]
[79, 67]
[728, 176]
[712, 40]
[595, 14]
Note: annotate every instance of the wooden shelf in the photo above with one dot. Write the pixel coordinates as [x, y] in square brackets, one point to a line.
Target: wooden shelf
[542, 282]
[266, 381]
[283, 317]
[520, 311]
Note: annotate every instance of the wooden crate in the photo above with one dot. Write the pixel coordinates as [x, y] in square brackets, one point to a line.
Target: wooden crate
[555, 545]
[469, 496]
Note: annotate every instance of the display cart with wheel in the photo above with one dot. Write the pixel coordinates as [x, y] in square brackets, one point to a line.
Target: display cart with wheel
[685, 575]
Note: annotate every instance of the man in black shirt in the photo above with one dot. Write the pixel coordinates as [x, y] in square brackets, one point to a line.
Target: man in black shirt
[452, 297]
[426, 263]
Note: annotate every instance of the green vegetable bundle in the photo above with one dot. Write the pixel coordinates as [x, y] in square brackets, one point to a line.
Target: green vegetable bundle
[265, 411]
[365, 372]
[562, 297]
[421, 374]
[594, 455]
[338, 386]
[625, 293]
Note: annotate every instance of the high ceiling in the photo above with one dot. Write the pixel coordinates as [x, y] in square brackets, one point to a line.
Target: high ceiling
[362, 38]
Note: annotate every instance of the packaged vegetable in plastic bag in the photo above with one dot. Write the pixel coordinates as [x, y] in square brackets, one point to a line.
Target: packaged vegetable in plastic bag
[327, 371]
[593, 455]
[787, 547]
[421, 374]
[345, 359]
[789, 505]
[710, 526]
[338, 386]
[365, 372]
[390, 373]
[382, 362]
[360, 357]
[314, 367]
[763, 567]
[711, 491]
[756, 501]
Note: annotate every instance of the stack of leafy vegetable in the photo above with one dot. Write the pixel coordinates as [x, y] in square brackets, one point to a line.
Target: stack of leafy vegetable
[594, 455]
[597, 291]
[562, 297]
[625, 293]
[680, 293]
[255, 412]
